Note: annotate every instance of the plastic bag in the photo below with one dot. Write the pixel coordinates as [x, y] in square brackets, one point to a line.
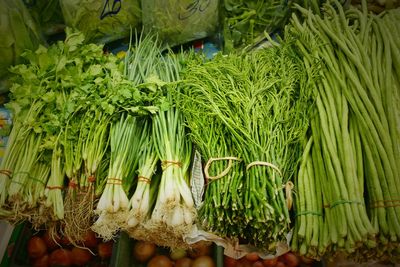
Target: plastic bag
[180, 21]
[47, 14]
[102, 21]
[18, 32]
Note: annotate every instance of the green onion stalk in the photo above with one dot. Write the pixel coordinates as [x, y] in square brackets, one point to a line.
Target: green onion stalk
[113, 206]
[143, 198]
[174, 211]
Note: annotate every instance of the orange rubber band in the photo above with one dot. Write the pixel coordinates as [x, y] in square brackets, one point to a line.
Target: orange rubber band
[168, 163]
[54, 187]
[6, 172]
[91, 179]
[144, 179]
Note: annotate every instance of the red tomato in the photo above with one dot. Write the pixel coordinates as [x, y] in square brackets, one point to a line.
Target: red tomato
[290, 259]
[89, 239]
[280, 264]
[230, 262]
[105, 249]
[203, 261]
[201, 248]
[36, 247]
[253, 256]
[80, 256]
[160, 261]
[184, 262]
[41, 262]
[257, 264]
[270, 262]
[60, 257]
[143, 251]
[306, 260]
[243, 262]
[65, 241]
[52, 241]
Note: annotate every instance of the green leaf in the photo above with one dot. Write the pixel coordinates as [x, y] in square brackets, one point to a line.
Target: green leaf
[61, 63]
[49, 97]
[73, 39]
[95, 70]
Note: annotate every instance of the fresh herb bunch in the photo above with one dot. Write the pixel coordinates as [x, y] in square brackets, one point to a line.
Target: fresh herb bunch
[63, 103]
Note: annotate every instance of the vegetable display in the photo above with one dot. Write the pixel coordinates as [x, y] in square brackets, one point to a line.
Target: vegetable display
[282, 149]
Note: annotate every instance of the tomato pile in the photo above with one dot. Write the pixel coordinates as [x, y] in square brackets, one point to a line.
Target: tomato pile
[148, 254]
[253, 260]
[46, 251]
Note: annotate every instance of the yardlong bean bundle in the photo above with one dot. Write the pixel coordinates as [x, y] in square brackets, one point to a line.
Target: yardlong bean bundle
[355, 132]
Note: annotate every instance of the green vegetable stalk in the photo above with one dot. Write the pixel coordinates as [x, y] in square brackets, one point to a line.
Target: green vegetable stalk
[354, 132]
[253, 110]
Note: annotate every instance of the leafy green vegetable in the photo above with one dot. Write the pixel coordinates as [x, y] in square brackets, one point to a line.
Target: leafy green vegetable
[63, 103]
[247, 114]
[245, 23]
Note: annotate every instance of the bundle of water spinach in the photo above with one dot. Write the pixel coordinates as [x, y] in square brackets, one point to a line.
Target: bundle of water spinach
[247, 114]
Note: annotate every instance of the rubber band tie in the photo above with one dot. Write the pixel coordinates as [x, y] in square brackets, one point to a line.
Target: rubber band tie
[382, 203]
[115, 181]
[168, 163]
[6, 173]
[144, 179]
[91, 179]
[341, 202]
[288, 190]
[309, 212]
[72, 184]
[54, 187]
[263, 163]
[224, 172]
